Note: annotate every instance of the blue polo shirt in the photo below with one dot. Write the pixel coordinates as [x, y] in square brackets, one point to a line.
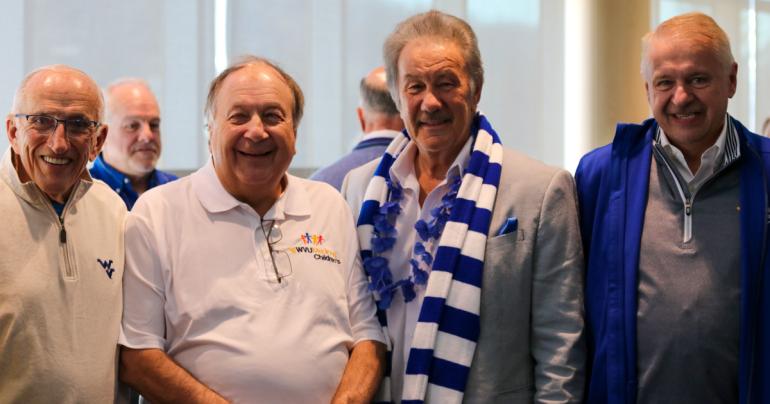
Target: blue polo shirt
[120, 182]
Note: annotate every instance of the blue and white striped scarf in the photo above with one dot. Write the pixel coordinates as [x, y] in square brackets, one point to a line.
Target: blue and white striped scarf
[448, 325]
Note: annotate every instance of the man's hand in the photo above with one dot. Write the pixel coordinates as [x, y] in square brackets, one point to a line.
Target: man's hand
[363, 373]
[161, 380]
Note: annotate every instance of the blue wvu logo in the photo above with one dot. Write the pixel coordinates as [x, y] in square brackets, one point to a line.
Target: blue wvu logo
[107, 265]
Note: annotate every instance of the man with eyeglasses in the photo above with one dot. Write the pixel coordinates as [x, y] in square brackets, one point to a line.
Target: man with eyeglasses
[243, 282]
[130, 153]
[61, 251]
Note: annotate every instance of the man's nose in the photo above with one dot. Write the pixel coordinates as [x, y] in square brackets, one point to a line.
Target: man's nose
[430, 102]
[145, 133]
[255, 129]
[57, 140]
[682, 95]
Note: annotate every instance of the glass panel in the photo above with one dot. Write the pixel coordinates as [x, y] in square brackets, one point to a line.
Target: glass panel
[523, 91]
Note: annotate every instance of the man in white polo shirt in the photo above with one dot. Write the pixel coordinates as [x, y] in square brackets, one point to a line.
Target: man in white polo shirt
[243, 283]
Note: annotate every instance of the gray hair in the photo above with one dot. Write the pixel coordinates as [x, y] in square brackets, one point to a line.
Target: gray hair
[696, 27]
[376, 98]
[438, 25]
[123, 81]
[249, 60]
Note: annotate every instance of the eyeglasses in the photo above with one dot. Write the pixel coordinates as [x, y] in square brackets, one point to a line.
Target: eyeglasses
[279, 258]
[46, 125]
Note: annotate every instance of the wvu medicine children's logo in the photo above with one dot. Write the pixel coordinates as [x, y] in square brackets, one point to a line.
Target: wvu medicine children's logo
[311, 244]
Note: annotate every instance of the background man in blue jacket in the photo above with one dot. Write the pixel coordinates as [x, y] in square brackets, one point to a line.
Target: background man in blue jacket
[674, 223]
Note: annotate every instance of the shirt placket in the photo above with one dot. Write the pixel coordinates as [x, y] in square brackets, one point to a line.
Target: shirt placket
[261, 250]
[433, 200]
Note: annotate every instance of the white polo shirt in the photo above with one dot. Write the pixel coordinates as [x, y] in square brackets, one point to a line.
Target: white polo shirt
[200, 285]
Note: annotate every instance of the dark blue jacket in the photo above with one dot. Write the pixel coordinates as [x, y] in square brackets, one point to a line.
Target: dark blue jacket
[364, 152]
[612, 184]
[120, 183]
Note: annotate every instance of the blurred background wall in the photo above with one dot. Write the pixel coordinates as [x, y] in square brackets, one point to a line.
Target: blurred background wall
[559, 73]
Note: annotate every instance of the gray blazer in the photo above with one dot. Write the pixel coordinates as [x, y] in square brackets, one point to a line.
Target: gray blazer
[531, 347]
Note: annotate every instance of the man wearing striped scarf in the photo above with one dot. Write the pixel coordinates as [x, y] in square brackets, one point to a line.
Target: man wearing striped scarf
[472, 250]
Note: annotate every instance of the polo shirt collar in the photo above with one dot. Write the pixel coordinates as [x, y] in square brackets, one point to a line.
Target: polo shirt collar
[383, 133]
[114, 178]
[294, 201]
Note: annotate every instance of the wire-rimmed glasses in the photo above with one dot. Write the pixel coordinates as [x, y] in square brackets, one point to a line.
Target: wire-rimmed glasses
[46, 125]
[279, 258]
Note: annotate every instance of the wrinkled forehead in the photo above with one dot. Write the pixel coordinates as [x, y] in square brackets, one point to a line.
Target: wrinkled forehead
[424, 45]
[256, 83]
[60, 91]
[685, 49]
[432, 54]
[693, 41]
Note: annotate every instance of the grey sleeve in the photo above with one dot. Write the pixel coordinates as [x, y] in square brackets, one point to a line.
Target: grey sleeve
[558, 345]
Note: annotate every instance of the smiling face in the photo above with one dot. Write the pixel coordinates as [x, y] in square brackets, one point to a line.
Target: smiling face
[54, 162]
[133, 142]
[437, 102]
[252, 134]
[688, 87]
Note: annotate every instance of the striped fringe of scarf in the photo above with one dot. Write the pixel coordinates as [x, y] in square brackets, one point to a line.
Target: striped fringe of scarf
[448, 324]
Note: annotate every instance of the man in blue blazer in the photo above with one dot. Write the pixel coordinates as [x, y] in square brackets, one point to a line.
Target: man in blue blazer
[674, 222]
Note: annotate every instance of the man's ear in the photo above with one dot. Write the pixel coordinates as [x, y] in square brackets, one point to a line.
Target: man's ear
[361, 121]
[99, 137]
[209, 131]
[477, 94]
[11, 130]
[733, 74]
[647, 91]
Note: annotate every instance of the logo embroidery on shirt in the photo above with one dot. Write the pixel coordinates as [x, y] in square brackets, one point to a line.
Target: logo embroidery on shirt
[312, 239]
[310, 245]
[107, 265]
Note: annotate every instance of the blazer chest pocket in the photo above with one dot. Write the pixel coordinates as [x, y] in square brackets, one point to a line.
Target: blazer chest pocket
[504, 241]
[502, 248]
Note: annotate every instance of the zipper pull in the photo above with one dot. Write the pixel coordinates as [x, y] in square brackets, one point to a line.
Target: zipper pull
[62, 232]
[687, 208]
